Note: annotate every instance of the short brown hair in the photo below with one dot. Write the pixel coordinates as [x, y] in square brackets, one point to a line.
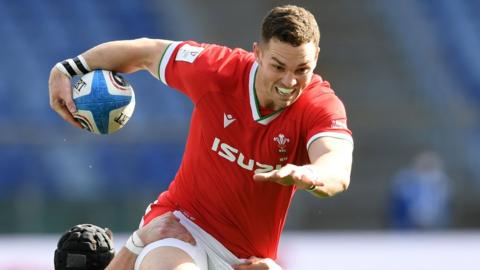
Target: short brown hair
[292, 24]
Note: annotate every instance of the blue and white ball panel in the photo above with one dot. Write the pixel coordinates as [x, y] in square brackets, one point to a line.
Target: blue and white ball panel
[119, 117]
[105, 101]
[85, 118]
[116, 84]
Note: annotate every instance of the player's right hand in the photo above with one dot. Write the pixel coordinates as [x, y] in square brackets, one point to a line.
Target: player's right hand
[301, 176]
[60, 92]
[165, 226]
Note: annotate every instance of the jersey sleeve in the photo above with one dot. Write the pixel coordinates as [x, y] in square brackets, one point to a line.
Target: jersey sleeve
[195, 68]
[326, 117]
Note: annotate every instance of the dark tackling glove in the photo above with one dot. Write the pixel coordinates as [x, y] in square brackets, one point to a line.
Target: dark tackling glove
[84, 247]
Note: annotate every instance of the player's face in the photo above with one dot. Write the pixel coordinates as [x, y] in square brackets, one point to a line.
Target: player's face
[284, 71]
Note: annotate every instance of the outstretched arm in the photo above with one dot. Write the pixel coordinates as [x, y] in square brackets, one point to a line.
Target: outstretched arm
[125, 56]
[327, 174]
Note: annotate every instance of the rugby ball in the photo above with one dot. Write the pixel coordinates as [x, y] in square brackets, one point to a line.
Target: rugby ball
[105, 101]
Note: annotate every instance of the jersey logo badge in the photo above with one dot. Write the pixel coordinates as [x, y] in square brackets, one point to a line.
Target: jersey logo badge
[281, 142]
[340, 124]
[188, 53]
[227, 120]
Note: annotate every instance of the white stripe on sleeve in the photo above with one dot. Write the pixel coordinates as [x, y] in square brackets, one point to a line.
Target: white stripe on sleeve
[337, 135]
[164, 61]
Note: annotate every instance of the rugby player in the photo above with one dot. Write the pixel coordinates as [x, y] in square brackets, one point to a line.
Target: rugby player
[263, 127]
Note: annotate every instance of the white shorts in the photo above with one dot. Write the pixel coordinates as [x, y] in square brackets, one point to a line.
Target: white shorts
[208, 254]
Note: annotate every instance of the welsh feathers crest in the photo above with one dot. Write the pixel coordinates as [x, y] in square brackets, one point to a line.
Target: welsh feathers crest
[281, 142]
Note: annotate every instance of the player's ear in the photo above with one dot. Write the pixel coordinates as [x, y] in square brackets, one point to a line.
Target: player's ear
[109, 233]
[316, 57]
[257, 51]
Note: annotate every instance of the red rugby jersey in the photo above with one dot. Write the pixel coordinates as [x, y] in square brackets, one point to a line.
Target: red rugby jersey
[229, 140]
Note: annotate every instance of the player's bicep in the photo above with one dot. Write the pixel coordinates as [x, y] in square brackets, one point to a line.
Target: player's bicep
[155, 50]
[333, 151]
[127, 56]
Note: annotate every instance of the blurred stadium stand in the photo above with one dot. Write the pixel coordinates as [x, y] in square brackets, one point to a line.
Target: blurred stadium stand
[438, 41]
[407, 72]
[44, 160]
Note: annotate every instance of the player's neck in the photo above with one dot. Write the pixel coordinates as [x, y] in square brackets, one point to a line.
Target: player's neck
[261, 91]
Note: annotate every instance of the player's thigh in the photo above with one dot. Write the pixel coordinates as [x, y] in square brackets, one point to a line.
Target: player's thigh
[172, 254]
[168, 258]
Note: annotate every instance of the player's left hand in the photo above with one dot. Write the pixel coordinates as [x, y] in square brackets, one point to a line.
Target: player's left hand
[301, 176]
[255, 263]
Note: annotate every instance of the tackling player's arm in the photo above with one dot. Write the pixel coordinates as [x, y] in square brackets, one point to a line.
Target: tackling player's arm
[326, 175]
[125, 56]
[161, 227]
[255, 263]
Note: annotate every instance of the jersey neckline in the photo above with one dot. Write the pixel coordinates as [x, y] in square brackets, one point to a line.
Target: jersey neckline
[254, 103]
